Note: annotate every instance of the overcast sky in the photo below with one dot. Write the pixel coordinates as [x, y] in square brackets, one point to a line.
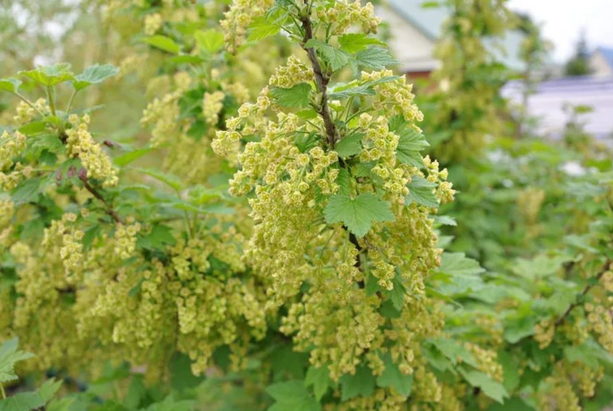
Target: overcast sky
[564, 19]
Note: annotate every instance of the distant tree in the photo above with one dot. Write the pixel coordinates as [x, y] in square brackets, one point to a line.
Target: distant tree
[579, 64]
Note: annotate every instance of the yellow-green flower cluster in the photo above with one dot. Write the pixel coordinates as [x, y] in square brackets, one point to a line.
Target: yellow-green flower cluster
[7, 210]
[153, 22]
[80, 144]
[11, 173]
[211, 106]
[292, 73]
[26, 113]
[125, 239]
[241, 14]
[393, 97]
[64, 239]
[343, 15]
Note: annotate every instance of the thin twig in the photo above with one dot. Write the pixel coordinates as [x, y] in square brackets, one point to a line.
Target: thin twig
[109, 208]
[586, 290]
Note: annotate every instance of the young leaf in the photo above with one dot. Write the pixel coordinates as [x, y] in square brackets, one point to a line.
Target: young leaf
[393, 377]
[356, 42]
[9, 356]
[10, 84]
[262, 29]
[350, 145]
[159, 237]
[292, 395]
[50, 75]
[295, 97]
[421, 192]
[376, 58]
[337, 59]
[130, 156]
[357, 214]
[169, 179]
[94, 75]
[210, 40]
[490, 387]
[454, 351]
[361, 383]
[319, 378]
[163, 43]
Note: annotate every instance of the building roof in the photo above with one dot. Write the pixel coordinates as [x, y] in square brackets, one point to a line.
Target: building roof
[548, 102]
[429, 21]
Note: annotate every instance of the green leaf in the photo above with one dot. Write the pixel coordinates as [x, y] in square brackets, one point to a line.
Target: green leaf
[319, 378]
[26, 191]
[9, 356]
[159, 237]
[445, 220]
[350, 145]
[361, 383]
[421, 191]
[306, 142]
[163, 43]
[262, 29]
[393, 377]
[129, 157]
[411, 142]
[337, 59]
[170, 180]
[398, 292]
[10, 84]
[376, 58]
[295, 97]
[354, 88]
[454, 351]
[23, 401]
[490, 387]
[292, 395]
[344, 182]
[50, 75]
[356, 42]
[357, 214]
[48, 389]
[94, 75]
[210, 40]
[513, 404]
[457, 264]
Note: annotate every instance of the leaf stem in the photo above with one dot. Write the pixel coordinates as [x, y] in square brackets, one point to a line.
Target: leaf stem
[2, 391]
[74, 93]
[29, 103]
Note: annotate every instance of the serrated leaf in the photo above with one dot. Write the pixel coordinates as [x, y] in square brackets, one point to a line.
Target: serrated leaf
[94, 75]
[490, 387]
[48, 389]
[376, 58]
[350, 145]
[163, 43]
[262, 29]
[356, 42]
[337, 59]
[292, 395]
[357, 214]
[393, 377]
[421, 191]
[159, 237]
[344, 182]
[10, 84]
[50, 75]
[210, 40]
[319, 378]
[26, 191]
[23, 401]
[9, 356]
[341, 91]
[362, 383]
[295, 97]
[398, 292]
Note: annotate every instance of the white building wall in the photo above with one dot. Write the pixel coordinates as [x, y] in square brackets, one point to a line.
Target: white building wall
[599, 65]
[411, 47]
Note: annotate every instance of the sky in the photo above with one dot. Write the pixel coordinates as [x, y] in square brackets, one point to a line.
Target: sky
[563, 20]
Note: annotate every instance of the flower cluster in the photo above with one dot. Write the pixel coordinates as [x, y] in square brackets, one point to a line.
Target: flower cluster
[343, 15]
[80, 144]
[241, 14]
[211, 106]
